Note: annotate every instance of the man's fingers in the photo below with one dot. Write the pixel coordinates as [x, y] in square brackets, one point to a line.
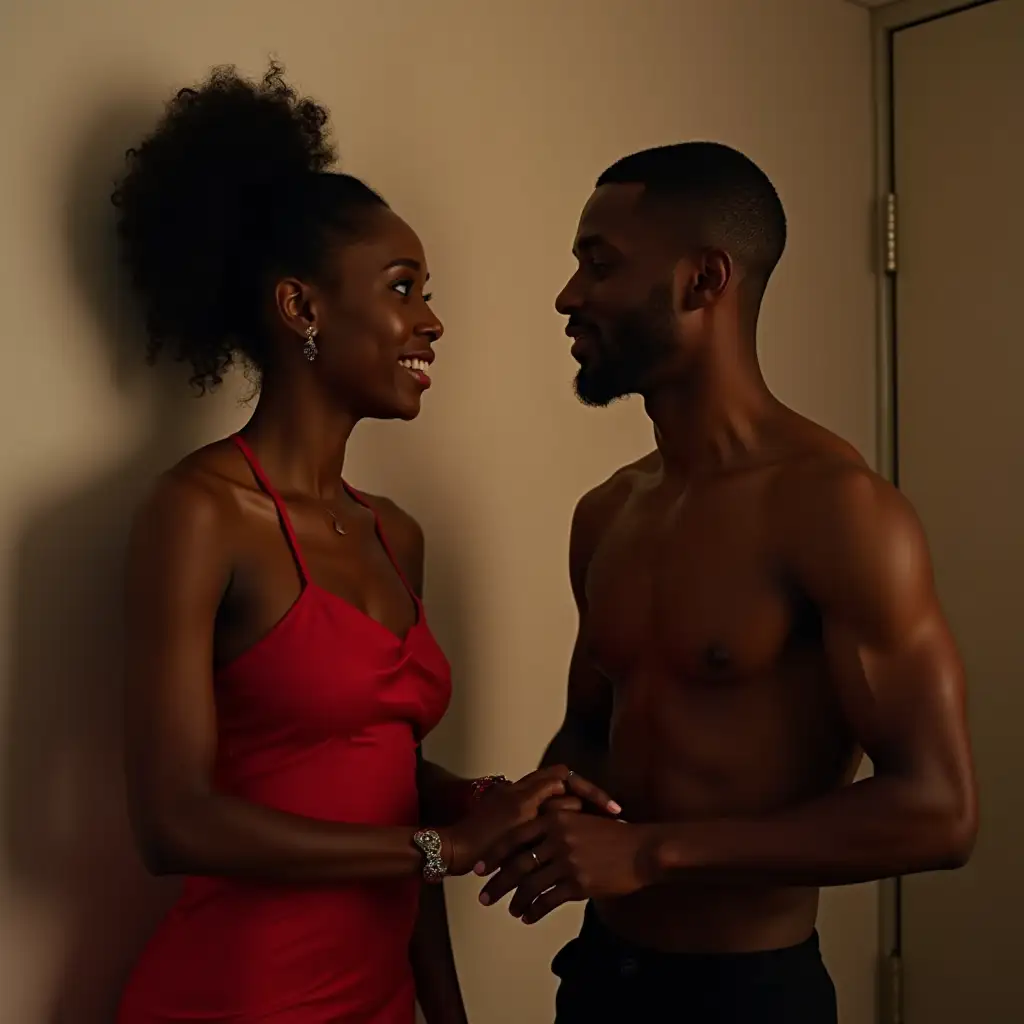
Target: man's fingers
[586, 789]
[564, 892]
[562, 803]
[514, 873]
[537, 790]
[527, 834]
[507, 879]
[538, 881]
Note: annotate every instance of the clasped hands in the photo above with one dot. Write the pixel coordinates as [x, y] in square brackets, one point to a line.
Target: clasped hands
[556, 852]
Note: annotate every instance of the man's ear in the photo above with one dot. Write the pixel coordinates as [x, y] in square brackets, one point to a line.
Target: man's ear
[700, 281]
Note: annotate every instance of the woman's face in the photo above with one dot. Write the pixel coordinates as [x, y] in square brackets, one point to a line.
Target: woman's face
[375, 328]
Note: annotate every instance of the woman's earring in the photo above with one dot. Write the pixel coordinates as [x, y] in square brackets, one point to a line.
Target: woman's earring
[309, 350]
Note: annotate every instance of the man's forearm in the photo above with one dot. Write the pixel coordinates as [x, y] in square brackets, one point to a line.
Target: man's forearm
[433, 961]
[585, 754]
[878, 828]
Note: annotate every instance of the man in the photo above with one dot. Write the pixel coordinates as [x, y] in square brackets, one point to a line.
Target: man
[756, 610]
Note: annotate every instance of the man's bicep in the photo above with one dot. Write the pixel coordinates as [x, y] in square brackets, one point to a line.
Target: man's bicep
[588, 706]
[892, 659]
[902, 700]
[589, 697]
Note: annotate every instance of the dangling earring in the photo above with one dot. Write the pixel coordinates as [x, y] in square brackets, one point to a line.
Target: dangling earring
[309, 350]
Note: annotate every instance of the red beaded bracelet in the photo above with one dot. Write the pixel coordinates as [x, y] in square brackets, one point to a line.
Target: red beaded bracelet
[485, 784]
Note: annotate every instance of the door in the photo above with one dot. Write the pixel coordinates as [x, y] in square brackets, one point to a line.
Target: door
[958, 150]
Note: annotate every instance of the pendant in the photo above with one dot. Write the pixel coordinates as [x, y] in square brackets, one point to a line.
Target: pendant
[338, 528]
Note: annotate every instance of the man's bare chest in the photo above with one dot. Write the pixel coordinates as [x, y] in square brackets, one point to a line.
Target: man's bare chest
[694, 588]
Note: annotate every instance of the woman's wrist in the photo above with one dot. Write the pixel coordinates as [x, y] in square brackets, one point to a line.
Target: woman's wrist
[464, 795]
[445, 798]
[479, 788]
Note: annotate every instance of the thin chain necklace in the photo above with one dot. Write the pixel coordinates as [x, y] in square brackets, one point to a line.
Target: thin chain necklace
[338, 528]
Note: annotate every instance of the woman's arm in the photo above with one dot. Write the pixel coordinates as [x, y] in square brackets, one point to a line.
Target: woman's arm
[446, 799]
[433, 961]
[179, 564]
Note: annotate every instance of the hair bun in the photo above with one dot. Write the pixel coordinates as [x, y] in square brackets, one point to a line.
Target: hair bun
[253, 132]
[197, 199]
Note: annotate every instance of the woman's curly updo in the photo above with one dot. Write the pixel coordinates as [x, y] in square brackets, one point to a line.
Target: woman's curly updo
[229, 191]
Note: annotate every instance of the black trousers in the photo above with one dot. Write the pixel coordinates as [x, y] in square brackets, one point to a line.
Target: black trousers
[605, 979]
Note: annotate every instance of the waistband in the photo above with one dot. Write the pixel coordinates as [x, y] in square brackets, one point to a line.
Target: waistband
[598, 948]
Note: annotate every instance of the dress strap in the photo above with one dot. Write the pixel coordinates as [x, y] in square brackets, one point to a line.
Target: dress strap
[282, 510]
[382, 537]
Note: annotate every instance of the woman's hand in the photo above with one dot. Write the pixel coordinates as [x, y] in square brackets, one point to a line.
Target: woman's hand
[505, 807]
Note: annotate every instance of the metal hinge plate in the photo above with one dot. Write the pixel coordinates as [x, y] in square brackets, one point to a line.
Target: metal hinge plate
[890, 233]
[891, 989]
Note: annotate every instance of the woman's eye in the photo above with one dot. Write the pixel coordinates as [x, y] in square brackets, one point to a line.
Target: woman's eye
[405, 289]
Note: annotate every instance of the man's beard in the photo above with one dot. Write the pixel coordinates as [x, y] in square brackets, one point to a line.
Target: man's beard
[628, 354]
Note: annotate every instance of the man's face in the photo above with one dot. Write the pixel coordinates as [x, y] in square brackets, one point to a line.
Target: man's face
[619, 302]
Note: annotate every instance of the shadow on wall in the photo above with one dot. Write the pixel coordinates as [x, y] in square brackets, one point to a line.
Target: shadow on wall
[65, 831]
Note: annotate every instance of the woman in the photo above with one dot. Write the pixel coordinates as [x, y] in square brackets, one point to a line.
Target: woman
[281, 671]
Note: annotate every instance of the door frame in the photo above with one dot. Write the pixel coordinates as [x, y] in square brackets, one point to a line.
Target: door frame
[886, 21]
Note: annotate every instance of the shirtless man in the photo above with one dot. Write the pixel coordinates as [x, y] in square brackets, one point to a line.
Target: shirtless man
[757, 611]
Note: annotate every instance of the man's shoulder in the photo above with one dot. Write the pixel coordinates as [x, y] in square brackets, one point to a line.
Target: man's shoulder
[600, 503]
[809, 462]
[829, 505]
[824, 479]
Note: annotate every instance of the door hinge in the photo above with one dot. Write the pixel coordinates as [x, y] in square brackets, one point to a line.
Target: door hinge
[890, 233]
[891, 989]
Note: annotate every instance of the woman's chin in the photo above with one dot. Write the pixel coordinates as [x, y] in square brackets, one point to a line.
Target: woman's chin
[407, 408]
[399, 404]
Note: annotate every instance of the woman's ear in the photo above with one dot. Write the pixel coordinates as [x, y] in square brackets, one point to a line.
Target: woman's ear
[293, 306]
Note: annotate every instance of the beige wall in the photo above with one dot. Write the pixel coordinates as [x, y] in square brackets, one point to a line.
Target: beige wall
[484, 123]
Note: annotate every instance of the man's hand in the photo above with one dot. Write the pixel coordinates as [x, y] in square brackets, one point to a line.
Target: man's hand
[582, 795]
[507, 806]
[564, 856]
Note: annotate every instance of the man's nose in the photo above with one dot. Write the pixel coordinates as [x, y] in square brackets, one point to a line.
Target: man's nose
[567, 301]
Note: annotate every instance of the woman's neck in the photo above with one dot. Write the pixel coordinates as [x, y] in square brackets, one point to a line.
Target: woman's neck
[300, 440]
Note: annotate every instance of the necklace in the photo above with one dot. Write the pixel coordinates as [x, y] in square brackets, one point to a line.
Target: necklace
[338, 528]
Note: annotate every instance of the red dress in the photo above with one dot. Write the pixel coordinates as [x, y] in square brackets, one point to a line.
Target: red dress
[320, 718]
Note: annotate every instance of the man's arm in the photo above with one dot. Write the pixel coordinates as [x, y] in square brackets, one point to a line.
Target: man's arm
[899, 680]
[862, 558]
[582, 740]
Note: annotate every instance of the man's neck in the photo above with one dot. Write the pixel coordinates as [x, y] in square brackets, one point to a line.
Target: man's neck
[714, 418]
